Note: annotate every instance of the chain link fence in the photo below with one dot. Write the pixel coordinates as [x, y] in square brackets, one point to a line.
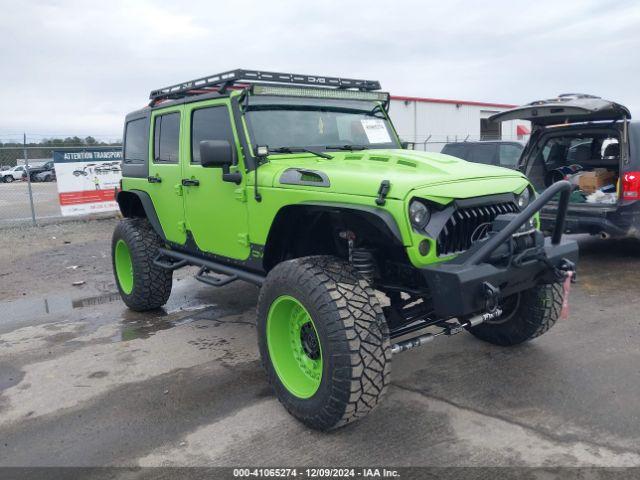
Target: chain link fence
[28, 188]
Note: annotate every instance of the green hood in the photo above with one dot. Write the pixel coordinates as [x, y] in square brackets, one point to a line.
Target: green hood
[426, 174]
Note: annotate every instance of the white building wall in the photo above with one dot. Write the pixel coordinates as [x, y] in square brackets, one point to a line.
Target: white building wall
[438, 123]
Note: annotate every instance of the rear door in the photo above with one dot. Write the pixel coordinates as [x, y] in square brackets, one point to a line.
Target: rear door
[565, 109]
[165, 171]
[216, 211]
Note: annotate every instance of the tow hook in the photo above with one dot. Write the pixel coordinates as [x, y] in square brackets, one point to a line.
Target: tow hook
[491, 297]
[448, 329]
[566, 269]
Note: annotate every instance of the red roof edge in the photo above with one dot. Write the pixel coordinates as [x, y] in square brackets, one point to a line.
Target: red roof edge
[454, 102]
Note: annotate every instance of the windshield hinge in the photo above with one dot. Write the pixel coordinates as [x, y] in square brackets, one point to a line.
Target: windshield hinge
[241, 194]
[383, 191]
[243, 239]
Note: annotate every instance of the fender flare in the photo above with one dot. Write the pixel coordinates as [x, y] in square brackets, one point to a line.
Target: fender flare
[383, 215]
[147, 206]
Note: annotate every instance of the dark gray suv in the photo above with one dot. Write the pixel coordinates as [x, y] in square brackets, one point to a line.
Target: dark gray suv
[592, 143]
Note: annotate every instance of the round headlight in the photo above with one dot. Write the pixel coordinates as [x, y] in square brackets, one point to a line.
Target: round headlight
[419, 214]
[524, 198]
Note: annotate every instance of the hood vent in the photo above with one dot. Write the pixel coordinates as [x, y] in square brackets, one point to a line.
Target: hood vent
[407, 163]
[378, 158]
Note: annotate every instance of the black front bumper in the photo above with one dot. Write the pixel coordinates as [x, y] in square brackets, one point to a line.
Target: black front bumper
[471, 282]
[460, 289]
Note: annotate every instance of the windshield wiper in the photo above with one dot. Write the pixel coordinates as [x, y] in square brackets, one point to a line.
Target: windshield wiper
[346, 147]
[300, 150]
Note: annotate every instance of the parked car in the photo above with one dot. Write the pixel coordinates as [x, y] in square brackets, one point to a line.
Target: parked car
[591, 142]
[15, 173]
[316, 202]
[46, 168]
[493, 152]
[46, 176]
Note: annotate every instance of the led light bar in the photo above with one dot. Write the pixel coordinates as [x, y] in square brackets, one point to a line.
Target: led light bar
[313, 92]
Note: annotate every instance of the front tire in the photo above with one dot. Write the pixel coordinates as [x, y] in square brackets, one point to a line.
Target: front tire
[324, 341]
[527, 315]
[142, 284]
[8, 179]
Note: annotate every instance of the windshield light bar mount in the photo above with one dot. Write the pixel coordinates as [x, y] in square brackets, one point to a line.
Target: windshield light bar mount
[240, 76]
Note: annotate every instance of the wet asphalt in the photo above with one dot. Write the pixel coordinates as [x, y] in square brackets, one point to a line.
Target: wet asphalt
[85, 382]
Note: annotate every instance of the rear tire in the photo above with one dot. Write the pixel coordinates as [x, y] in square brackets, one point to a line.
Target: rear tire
[142, 284]
[533, 313]
[324, 341]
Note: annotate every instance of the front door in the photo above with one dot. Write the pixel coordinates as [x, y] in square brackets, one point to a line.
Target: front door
[165, 171]
[215, 211]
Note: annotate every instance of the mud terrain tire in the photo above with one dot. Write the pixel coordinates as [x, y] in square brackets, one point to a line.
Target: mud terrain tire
[142, 284]
[535, 312]
[353, 361]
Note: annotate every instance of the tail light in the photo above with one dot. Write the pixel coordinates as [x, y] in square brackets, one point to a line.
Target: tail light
[631, 186]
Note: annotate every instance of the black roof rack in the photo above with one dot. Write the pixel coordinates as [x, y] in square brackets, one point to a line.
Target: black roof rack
[227, 79]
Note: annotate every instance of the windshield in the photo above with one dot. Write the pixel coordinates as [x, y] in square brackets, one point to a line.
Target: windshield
[319, 127]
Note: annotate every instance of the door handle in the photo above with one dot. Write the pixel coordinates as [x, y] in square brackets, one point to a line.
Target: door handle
[190, 182]
[154, 180]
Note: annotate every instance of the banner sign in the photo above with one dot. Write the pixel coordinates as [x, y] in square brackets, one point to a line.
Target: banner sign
[88, 180]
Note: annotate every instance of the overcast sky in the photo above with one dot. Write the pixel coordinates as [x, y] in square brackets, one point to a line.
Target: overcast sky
[77, 67]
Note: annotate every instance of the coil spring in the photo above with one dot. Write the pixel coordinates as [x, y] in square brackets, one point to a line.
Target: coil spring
[363, 261]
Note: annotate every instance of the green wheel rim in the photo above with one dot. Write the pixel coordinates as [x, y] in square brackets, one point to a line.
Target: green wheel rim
[294, 346]
[124, 266]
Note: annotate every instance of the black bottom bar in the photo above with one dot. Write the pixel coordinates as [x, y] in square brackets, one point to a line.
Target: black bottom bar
[213, 266]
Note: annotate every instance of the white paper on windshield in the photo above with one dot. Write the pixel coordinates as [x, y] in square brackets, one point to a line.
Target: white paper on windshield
[376, 130]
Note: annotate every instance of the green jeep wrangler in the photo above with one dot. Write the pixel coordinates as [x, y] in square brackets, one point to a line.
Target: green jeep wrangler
[362, 249]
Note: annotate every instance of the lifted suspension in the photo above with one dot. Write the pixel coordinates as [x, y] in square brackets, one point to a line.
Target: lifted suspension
[447, 329]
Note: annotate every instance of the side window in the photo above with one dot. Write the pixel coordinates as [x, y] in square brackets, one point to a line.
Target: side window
[509, 155]
[455, 150]
[135, 141]
[211, 123]
[166, 138]
[483, 153]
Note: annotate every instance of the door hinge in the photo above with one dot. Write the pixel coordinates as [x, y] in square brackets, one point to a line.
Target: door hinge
[241, 194]
[243, 239]
[178, 188]
[182, 226]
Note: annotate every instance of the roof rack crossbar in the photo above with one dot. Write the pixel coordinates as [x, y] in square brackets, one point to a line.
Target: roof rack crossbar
[227, 79]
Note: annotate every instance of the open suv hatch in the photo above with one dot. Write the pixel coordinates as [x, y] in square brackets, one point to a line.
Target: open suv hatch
[591, 143]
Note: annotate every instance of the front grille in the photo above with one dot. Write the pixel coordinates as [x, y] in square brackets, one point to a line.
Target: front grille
[464, 226]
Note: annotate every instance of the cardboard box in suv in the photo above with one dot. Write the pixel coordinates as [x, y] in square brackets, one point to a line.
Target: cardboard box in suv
[590, 142]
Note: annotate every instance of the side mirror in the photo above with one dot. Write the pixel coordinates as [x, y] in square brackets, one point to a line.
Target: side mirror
[220, 154]
[217, 153]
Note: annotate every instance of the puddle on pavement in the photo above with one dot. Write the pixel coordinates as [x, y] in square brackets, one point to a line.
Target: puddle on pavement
[143, 325]
[184, 306]
[30, 310]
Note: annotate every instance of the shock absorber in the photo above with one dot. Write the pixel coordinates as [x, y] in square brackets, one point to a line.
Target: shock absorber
[363, 261]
